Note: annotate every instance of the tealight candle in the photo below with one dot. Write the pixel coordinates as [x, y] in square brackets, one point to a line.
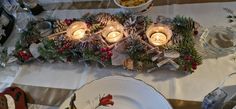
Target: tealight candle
[114, 36]
[113, 33]
[77, 30]
[158, 39]
[79, 34]
[158, 35]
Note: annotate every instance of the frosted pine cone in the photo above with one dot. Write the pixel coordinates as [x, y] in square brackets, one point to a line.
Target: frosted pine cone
[59, 26]
[130, 21]
[104, 18]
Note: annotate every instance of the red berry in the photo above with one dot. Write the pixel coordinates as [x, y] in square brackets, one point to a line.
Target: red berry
[194, 65]
[89, 24]
[108, 57]
[24, 55]
[109, 53]
[103, 49]
[108, 49]
[26, 58]
[20, 53]
[103, 58]
[67, 46]
[68, 21]
[187, 58]
[30, 55]
[61, 50]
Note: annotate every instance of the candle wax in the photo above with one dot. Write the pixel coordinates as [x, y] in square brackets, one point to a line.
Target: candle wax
[114, 36]
[78, 34]
[158, 39]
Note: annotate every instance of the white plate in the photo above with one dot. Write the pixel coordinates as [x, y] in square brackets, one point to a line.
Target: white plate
[128, 93]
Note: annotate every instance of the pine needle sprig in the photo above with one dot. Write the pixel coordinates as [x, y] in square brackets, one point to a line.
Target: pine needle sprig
[182, 24]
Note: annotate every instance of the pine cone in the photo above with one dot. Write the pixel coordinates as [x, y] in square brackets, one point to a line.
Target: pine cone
[137, 23]
[122, 17]
[164, 20]
[59, 41]
[89, 18]
[130, 22]
[129, 25]
[33, 39]
[95, 27]
[104, 18]
[59, 26]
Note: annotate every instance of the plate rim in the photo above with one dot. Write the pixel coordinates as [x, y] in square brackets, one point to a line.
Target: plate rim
[118, 76]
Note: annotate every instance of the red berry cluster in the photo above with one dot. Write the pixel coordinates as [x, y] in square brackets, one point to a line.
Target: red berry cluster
[189, 60]
[106, 54]
[194, 65]
[89, 24]
[24, 55]
[66, 46]
[69, 21]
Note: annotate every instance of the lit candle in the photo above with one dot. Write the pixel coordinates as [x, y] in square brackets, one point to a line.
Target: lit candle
[113, 33]
[114, 36]
[79, 34]
[158, 34]
[158, 39]
[77, 30]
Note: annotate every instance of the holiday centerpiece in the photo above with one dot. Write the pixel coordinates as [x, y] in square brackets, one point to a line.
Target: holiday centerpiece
[134, 42]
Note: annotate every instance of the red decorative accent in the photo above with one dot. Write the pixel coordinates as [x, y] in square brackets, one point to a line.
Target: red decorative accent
[107, 100]
[109, 54]
[194, 65]
[108, 49]
[103, 49]
[66, 46]
[24, 55]
[68, 21]
[106, 54]
[18, 95]
[103, 59]
[187, 58]
[88, 24]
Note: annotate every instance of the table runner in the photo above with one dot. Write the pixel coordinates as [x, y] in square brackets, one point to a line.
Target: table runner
[172, 84]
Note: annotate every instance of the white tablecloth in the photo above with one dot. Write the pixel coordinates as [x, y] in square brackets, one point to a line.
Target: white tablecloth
[171, 84]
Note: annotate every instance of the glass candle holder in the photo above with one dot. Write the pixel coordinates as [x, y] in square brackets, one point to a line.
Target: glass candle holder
[158, 34]
[77, 30]
[113, 33]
